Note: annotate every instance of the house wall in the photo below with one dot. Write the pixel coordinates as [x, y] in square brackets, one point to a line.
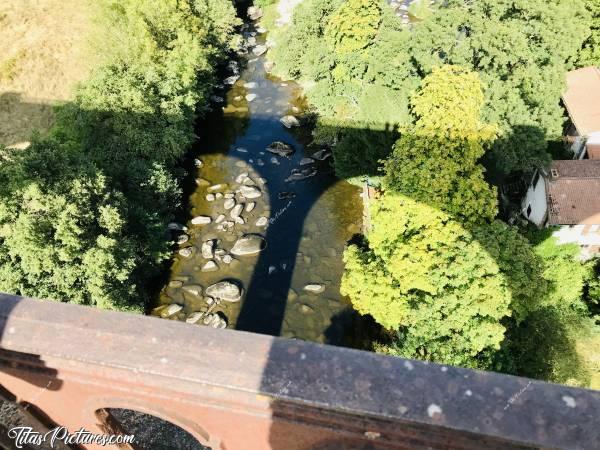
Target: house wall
[593, 146]
[593, 151]
[534, 206]
[584, 235]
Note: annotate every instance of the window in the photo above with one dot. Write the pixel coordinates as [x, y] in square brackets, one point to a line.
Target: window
[529, 210]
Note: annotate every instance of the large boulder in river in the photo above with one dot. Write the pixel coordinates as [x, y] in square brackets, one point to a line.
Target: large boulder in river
[259, 50]
[254, 13]
[281, 148]
[193, 289]
[236, 211]
[314, 288]
[225, 290]
[301, 174]
[208, 249]
[173, 309]
[249, 244]
[201, 220]
[250, 191]
[289, 121]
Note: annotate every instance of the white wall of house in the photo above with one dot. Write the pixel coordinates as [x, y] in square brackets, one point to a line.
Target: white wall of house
[574, 234]
[534, 206]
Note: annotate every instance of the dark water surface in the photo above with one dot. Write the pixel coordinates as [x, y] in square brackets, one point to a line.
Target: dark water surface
[305, 234]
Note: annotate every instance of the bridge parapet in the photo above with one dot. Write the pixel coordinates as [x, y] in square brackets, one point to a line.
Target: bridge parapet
[242, 391]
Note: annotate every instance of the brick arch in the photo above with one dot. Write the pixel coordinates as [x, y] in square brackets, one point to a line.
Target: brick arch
[99, 408]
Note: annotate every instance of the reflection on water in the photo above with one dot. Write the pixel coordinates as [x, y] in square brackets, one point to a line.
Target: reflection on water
[304, 213]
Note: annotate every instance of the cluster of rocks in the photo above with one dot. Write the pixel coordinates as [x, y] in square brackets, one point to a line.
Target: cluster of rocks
[234, 204]
[250, 42]
[212, 297]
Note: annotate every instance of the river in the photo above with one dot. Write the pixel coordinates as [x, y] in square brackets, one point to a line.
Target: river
[308, 221]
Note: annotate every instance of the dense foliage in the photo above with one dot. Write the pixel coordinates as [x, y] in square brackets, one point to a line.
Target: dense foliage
[590, 53]
[521, 50]
[83, 212]
[449, 282]
[446, 288]
[435, 266]
[546, 344]
[436, 160]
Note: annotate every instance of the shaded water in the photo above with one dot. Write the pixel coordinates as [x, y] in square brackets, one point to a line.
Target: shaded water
[305, 234]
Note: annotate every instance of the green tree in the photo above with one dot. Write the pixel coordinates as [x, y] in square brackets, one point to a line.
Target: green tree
[83, 211]
[447, 289]
[436, 161]
[547, 344]
[63, 230]
[522, 50]
[353, 26]
[590, 53]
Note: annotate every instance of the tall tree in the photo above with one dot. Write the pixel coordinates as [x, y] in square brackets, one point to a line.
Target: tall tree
[590, 53]
[445, 288]
[436, 161]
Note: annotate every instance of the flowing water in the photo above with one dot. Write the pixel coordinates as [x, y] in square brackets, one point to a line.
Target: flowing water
[309, 221]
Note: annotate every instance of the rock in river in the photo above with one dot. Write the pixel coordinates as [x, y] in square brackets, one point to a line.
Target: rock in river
[194, 317]
[201, 220]
[241, 177]
[254, 13]
[217, 187]
[225, 290]
[249, 244]
[262, 221]
[298, 175]
[236, 211]
[251, 97]
[176, 226]
[289, 121]
[208, 249]
[314, 288]
[250, 191]
[182, 239]
[231, 80]
[281, 148]
[210, 266]
[259, 50]
[322, 154]
[186, 252]
[173, 309]
[193, 289]
[229, 203]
